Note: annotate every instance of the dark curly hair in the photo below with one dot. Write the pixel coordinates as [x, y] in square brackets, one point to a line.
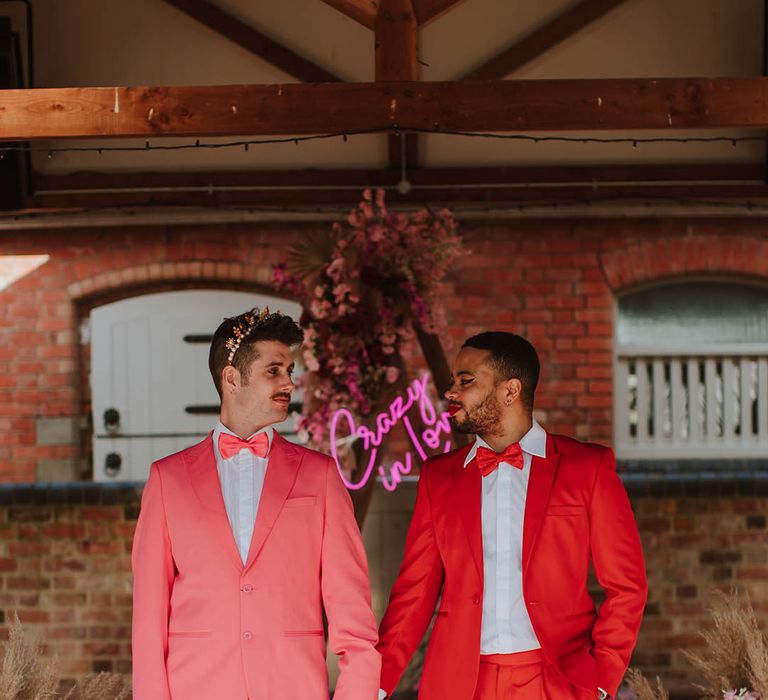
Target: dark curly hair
[274, 326]
[512, 357]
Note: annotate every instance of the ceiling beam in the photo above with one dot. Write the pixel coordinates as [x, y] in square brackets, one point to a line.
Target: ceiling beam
[296, 109]
[702, 173]
[429, 10]
[362, 11]
[396, 35]
[543, 39]
[254, 41]
[434, 195]
[333, 187]
[395, 42]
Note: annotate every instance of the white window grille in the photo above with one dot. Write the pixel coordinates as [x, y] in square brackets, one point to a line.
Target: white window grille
[691, 372]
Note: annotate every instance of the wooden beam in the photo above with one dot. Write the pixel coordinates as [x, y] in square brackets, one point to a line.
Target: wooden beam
[543, 39]
[254, 41]
[306, 187]
[434, 196]
[395, 43]
[429, 10]
[296, 109]
[362, 11]
[710, 173]
[395, 52]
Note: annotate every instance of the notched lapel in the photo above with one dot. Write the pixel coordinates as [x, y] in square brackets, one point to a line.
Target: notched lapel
[467, 498]
[284, 462]
[205, 481]
[540, 481]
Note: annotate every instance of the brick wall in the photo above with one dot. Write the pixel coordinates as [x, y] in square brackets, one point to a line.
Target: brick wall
[65, 569]
[554, 281]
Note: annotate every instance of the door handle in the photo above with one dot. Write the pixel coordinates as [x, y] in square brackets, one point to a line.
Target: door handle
[112, 421]
[112, 464]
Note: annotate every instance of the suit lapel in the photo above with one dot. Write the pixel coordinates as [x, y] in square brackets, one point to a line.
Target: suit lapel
[282, 469]
[467, 497]
[539, 486]
[205, 481]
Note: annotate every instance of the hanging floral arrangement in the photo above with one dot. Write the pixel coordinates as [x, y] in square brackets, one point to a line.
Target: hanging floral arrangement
[362, 286]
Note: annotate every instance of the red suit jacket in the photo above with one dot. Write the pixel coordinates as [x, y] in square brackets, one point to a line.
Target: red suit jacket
[576, 510]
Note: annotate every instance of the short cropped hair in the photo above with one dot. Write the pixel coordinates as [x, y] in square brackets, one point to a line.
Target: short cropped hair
[274, 326]
[512, 357]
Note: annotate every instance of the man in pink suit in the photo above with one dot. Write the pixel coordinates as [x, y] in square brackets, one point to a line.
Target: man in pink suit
[503, 533]
[243, 541]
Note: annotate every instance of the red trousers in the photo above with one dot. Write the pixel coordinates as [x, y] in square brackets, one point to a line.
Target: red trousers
[523, 676]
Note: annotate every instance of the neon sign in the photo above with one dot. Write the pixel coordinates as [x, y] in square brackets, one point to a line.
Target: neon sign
[430, 436]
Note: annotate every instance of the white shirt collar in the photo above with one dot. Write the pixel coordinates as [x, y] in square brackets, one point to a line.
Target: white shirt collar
[534, 442]
[221, 428]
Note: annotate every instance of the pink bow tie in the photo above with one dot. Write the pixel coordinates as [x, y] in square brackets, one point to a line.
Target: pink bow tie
[487, 460]
[230, 445]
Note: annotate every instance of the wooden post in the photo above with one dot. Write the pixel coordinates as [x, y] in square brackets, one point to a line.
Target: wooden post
[395, 51]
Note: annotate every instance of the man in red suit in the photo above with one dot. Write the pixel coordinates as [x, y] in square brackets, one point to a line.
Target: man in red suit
[502, 535]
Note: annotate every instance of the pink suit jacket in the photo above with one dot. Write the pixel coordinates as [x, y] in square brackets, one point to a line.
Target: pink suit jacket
[576, 510]
[207, 627]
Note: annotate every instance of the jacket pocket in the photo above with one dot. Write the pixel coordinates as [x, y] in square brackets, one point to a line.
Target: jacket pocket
[565, 510]
[303, 633]
[300, 501]
[194, 634]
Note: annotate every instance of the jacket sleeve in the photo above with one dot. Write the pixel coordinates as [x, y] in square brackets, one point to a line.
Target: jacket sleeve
[617, 557]
[153, 574]
[346, 596]
[415, 593]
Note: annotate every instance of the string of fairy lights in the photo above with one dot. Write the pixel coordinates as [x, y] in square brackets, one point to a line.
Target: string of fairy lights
[245, 145]
[395, 130]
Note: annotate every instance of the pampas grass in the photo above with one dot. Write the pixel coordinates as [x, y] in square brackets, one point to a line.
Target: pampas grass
[103, 686]
[735, 657]
[736, 654]
[27, 675]
[642, 687]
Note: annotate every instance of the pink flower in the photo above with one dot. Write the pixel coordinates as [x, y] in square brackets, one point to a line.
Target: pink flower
[335, 268]
[340, 290]
[310, 361]
[392, 374]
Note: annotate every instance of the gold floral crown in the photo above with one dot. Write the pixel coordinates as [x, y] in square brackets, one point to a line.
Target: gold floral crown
[243, 328]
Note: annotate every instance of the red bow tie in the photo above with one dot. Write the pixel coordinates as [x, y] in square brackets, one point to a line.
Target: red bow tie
[230, 445]
[487, 460]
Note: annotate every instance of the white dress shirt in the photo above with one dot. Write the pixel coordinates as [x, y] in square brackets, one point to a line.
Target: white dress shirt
[506, 627]
[242, 479]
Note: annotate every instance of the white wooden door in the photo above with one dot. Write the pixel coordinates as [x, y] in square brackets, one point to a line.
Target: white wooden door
[151, 389]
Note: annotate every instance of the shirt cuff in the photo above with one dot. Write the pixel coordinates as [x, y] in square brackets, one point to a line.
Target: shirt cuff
[382, 693]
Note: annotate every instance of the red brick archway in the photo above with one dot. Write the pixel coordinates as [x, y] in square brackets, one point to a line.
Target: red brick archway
[666, 258]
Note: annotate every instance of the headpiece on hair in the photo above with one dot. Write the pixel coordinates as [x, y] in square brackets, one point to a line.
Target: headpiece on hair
[243, 328]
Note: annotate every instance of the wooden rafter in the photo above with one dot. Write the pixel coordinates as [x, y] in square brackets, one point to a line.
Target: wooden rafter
[429, 10]
[362, 11]
[589, 183]
[395, 43]
[543, 39]
[395, 53]
[295, 109]
[254, 41]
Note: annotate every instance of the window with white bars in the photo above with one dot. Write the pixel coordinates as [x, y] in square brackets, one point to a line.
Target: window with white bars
[691, 374]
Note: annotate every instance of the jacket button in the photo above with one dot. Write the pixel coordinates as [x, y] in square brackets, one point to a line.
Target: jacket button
[247, 635]
[247, 588]
[476, 599]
